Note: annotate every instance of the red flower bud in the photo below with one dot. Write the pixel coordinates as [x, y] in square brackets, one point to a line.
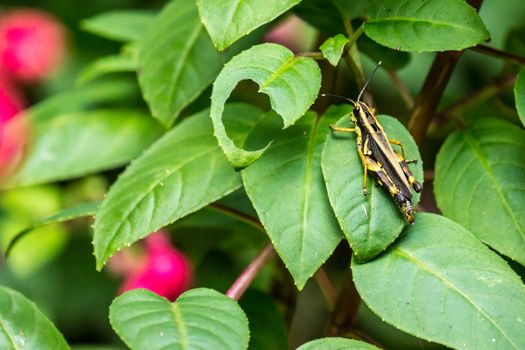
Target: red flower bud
[166, 271]
[31, 44]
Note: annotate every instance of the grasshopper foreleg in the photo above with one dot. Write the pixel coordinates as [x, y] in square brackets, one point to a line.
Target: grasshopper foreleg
[340, 129]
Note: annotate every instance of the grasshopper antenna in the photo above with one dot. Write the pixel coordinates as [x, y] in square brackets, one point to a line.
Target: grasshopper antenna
[368, 81]
[339, 96]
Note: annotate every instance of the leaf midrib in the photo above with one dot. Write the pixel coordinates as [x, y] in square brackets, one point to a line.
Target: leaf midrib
[278, 72]
[4, 330]
[415, 20]
[425, 267]
[181, 63]
[180, 325]
[232, 14]
[154, 185]
[308, 178]
[490, 174]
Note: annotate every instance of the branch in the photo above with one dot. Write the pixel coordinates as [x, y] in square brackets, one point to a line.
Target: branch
[248, 275]
[433, 88]
[490, 51]
[431, 93]
[327, 287]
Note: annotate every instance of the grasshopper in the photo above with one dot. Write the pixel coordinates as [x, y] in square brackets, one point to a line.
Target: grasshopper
[377, 155]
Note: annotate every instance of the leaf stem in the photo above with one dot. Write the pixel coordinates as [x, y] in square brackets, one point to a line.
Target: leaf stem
[327, 287]
[401, 88]
[354, 36]
[237, 214]
[485, 93]
[316, 55]
[490, 51]
[248, 275]
[352, 59]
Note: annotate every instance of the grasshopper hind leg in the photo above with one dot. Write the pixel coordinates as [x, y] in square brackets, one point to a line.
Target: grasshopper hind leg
[416, 185]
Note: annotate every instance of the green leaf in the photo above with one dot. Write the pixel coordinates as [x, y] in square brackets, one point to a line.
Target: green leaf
[333, 47]
[120, 25]
[23, 326]
[431, 25]
[78, 143]
[81, 210]
[227, 21]
[369, 223]
[391, 59]
[440, 283]
[519, 94]
[177, 60]
[336, 344]
[479, 183]
[287, 190]
[105, 65]
[182, 172]
[292, 83]
[199, 319]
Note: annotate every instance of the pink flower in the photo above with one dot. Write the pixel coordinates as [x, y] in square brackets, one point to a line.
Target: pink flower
[31, 44]
[11, 100]
[165, 271]
[13, 130]
[289, 32]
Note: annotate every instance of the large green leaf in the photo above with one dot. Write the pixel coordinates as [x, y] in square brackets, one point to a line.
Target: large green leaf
[120, 25]
[336, 344]
[177, 60]
[292, 83]
[440, 283]
[78, 143]
[431, 25]
[287, 190]
[78, 211]
[199, 319]
[519, 95]
[369, 223]
[23, 326]
[479, 183]
[181, 173]
[228, 20]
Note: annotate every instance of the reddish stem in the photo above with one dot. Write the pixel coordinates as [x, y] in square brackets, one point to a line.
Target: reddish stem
[248, 275]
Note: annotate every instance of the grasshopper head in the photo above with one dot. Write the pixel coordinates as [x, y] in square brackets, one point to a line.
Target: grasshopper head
[405, 206]
[408, 212]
